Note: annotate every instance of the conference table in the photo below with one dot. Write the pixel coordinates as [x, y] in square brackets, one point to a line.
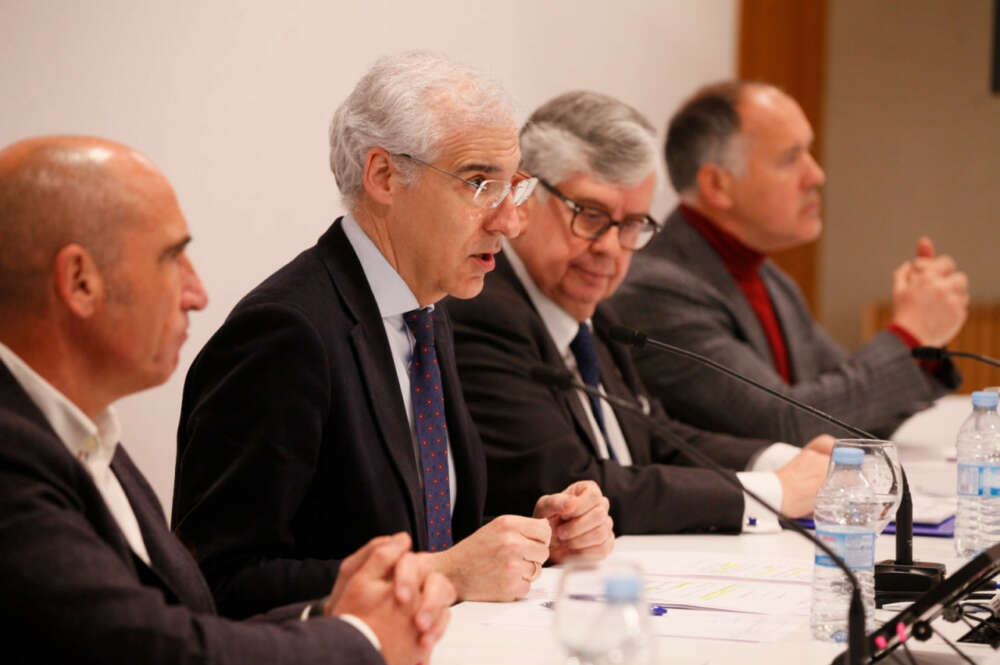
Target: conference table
[481, 633]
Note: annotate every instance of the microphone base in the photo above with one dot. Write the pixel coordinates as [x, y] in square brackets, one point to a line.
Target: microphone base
[896, 582]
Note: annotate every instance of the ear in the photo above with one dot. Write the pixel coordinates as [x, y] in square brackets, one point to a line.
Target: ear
[714, 186]
[524, 212]
[379, 175]
[78, 282]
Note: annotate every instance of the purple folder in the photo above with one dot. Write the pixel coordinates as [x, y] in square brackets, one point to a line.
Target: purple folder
[945, 529]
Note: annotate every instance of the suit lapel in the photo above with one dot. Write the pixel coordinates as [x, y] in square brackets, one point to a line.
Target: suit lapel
[172, 564]
[173, 570]
[611, 362]
[685, 241]
[550, 355]
[374, 359]
[789, 315]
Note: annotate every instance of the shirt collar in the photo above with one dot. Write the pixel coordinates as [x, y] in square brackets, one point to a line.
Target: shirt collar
[561, 326]
[740, 260]
[391, 293]
[90, 442]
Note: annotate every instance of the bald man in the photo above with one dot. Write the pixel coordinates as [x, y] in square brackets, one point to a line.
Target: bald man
[739, 156]
[95, 291]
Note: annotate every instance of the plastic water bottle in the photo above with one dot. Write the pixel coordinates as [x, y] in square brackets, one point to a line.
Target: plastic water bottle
[977, 522]
[846, 520]
[612, 631]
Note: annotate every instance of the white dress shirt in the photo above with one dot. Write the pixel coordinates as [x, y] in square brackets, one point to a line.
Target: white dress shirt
[758, 478]
[93, 444]
[394, 299]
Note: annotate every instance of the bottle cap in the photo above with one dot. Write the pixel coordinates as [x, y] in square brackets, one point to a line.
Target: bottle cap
[985, 399]
[622, 588]
[853, 456]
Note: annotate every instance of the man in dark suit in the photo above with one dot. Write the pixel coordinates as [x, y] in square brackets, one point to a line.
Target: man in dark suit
[739, 157]
[595, 160]
[95, 291]
[313, 420]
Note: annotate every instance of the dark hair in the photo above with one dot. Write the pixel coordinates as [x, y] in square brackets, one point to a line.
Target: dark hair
[701, 131]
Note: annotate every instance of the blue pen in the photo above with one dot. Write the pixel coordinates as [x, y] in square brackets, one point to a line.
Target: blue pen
[655, 609]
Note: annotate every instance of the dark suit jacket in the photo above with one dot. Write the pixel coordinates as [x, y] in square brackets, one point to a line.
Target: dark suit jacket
[73, 591]
[537, 439]
[679, 290]
[294, 448]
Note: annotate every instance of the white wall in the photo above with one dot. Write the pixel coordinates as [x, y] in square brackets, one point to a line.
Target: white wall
[232, 101]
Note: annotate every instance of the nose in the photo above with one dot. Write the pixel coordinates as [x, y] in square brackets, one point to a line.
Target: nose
[193, 295]
[608, 242]
[816, 177]
[505, 219]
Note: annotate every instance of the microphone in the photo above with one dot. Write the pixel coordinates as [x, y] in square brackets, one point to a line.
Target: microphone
[901, 579]
[941, 353]
[563, 379]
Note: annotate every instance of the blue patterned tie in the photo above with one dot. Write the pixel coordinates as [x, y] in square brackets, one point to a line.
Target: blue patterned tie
[431, 429]
[582, 347]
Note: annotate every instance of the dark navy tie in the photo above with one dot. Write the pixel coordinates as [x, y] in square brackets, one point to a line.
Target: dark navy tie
[582, 347]
[431, 429]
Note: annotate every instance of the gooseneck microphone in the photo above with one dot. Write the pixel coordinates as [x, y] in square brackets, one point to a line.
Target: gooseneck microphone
[941, 353]
[900, 579]
[563, 379]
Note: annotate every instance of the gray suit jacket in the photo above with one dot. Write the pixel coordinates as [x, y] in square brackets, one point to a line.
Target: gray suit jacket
[678, 290]
[74, 592]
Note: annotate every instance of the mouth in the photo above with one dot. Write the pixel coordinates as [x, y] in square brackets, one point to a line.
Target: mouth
[593, 275]
[485, 260]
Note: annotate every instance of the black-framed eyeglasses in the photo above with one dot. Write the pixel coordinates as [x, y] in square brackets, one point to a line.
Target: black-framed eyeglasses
[634, 232]
[488, 193]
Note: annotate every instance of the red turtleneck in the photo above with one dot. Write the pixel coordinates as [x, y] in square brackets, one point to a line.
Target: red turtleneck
[743, 264]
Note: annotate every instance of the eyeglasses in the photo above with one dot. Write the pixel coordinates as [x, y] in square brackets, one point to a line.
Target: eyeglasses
[489, 193]
[591, 223]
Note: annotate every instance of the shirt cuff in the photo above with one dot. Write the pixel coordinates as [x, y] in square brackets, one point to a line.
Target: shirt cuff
[756, 518]
[364, 628]
[907, 338]
[773, 457]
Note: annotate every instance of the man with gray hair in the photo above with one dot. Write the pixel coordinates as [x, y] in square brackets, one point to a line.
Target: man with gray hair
[327, 409]
[738, 154]
[595, 160]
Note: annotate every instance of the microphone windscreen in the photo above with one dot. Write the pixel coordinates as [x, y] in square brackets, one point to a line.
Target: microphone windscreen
[929, 353]
[554, 377]
[624, 335]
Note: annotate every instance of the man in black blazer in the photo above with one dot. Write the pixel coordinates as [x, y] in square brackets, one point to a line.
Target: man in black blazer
[95, 291]
[298, 432]
[595, 159]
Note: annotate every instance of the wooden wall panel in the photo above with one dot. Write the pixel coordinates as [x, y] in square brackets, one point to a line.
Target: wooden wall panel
[783, 42]
[980, 334]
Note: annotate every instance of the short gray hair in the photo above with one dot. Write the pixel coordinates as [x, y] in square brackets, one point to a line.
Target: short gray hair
[706, 130]
[589, 133]
[409, 103]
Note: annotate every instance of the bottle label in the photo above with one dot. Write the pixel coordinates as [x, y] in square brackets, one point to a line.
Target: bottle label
[979, 480]
[856, 549]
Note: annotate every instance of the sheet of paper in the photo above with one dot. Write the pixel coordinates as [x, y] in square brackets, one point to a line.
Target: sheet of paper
[691, 624]
[723, 566]
[729, 595]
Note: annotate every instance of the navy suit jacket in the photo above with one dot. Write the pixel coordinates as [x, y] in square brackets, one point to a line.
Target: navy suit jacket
[73, 591]
[294, 447]
[538, 439]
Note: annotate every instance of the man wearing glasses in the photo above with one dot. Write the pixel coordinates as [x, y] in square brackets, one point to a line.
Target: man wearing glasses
[595, 159]
[327, 409]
